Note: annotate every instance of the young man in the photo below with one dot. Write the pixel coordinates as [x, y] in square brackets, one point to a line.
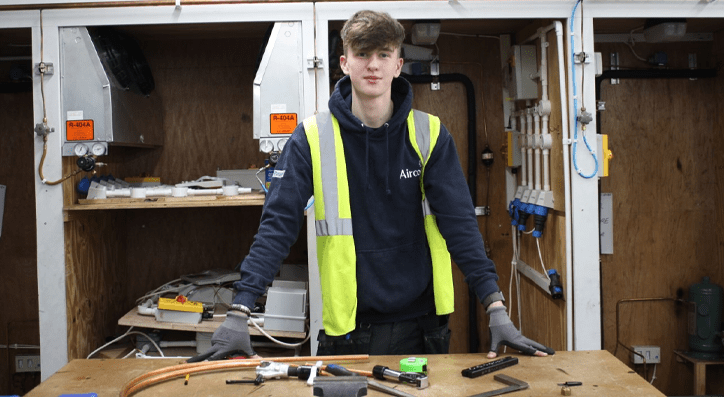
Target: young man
[382, 250]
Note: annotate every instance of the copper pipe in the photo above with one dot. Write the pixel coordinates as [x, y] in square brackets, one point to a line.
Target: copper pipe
[182, 370]
[619, 302]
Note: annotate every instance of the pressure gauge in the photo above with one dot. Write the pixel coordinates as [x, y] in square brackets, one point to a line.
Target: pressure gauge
[98, 149]
[265, 146]
[280, 144]
[80, 149]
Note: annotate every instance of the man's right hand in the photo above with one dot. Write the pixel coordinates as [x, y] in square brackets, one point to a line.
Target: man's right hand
[231, 337]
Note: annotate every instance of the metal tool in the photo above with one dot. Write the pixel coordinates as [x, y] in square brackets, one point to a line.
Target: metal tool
[272, 370]
[514, 385]
[570, 383]
[256, 381]
[414, 378]
[385, 389]
[340, 386]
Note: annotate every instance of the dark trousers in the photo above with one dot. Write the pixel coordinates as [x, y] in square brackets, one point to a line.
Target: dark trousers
[428, 334]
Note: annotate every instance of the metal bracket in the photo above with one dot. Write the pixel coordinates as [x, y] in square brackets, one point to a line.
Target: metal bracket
[44, 68]
[513, 385]
[435, 85]
[582, 57]
[483, 210]
[314, 62]
[614, 65]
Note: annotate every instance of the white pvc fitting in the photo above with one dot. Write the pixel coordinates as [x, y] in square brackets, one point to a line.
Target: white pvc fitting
[138, 192]
[231, 190]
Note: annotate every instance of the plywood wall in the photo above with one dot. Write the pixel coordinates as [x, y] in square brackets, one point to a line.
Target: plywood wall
[479, 59]
[19, 291]
[666, 180]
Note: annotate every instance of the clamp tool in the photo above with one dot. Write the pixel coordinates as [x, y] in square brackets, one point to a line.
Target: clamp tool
[272, 370]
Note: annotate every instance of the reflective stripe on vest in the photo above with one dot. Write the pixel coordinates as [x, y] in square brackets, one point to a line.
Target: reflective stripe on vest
[333, 224]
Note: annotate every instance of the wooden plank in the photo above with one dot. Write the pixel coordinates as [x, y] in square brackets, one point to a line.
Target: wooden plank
[95, 279]
[18, 242]
[600, 373]
[169, 202]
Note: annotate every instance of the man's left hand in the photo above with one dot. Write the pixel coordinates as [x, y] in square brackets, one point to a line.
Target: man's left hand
[503, 332]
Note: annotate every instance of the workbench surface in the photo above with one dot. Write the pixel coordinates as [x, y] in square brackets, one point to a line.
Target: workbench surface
[600, 372]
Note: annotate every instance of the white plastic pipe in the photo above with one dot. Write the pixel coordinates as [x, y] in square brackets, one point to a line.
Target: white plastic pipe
[529, 148]
[544, 76]
[566, 136]
[546, 144]
[544, 71]
[537, 152]
[522, 140]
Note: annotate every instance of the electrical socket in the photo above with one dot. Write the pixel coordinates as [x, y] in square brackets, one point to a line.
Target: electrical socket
[651, 354]
[27, 363]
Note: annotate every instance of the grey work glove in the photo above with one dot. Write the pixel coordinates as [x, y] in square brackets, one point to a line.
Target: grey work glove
[231, 337]
[503, 332]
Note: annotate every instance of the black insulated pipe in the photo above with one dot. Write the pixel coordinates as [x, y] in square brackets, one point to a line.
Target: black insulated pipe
[472, 164]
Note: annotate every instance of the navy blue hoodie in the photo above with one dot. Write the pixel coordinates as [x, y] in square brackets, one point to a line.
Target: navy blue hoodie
[394, 272]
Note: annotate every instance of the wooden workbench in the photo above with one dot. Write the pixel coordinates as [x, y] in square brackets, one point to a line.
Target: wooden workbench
[600, 372]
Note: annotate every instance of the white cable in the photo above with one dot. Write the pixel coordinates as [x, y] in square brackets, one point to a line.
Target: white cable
[514, 261]
[518, 299]
[631, 47]
[654, 371]
[277, 341]
[130, 353]
[538, 246]
[129, 332]
[160, 290]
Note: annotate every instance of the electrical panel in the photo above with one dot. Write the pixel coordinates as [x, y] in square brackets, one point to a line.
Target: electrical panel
[520, 72]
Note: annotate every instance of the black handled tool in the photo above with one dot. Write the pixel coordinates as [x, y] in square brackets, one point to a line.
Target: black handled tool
[482, 369]
[414, 378]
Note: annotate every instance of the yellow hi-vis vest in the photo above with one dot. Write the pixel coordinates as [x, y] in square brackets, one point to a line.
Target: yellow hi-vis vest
[333, 222]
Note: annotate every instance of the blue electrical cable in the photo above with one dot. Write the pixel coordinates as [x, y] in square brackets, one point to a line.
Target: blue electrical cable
[576, 121]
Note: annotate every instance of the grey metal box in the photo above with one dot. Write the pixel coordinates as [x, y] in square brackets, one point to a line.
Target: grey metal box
[519, 72]
[286, 309]
[90, 92]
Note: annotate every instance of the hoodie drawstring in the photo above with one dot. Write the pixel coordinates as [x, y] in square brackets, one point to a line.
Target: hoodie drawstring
[387, 160]
[367, 156]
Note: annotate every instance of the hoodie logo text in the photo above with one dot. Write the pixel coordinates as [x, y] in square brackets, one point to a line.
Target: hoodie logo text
[406, 173]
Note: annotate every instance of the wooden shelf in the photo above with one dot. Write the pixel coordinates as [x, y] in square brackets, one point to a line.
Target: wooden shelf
[248, 199]
[133, 319]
